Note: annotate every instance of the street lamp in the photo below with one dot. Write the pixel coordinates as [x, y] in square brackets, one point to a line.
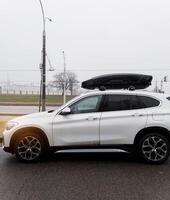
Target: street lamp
[51, 69]
[165, 79]
[43, 66]
[64, 87]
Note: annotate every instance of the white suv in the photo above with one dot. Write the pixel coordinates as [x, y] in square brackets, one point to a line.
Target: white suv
[134, 121]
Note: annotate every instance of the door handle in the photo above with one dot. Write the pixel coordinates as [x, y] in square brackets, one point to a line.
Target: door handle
[91, 118]
[137, 115]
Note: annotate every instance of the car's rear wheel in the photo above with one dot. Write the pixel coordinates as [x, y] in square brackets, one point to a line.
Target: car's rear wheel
[154, 148]
[29, 147]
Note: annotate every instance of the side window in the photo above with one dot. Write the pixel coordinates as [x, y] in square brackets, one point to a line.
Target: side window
[117, 102]
[86, 105]
[135, 103]
[148, 102]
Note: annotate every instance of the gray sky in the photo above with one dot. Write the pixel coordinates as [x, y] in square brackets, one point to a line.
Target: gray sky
[98, 37]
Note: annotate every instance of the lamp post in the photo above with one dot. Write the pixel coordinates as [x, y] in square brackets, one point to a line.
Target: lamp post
[165, 79]
[43, 66]
[64, 87]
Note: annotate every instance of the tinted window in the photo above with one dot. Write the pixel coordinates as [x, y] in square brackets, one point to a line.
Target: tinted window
[128, 102]
[86, 105]
[135, 103]
[147, 102]
[168, 98]
[117, 102]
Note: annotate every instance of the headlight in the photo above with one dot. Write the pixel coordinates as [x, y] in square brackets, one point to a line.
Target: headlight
[10, 125]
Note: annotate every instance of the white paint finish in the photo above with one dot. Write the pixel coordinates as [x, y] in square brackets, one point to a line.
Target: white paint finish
[159, 117]
[41, 120]
[76, 129]
[120, 127]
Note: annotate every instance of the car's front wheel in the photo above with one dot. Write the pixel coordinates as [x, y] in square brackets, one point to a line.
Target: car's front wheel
[154, 148]
[29, 147]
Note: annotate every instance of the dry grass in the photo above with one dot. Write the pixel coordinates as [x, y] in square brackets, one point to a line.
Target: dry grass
[34, 99]
[2, 126]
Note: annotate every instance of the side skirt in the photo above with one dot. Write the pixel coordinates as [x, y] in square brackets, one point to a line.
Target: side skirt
[129, 148]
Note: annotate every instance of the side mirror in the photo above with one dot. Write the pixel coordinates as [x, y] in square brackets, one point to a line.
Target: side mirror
[65, 111]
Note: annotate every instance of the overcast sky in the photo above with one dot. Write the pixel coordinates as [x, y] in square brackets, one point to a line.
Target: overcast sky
[98, 37]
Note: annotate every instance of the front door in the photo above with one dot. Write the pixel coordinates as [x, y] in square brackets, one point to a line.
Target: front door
[81, 126]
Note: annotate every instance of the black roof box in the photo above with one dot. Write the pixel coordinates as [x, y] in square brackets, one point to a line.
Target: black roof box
[118, 81]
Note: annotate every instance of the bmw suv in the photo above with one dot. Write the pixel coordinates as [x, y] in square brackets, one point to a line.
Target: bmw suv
[133, 121]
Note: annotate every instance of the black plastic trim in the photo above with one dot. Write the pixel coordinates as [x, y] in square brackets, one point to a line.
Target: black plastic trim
[7, 149]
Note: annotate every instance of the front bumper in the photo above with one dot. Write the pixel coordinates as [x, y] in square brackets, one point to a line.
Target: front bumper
[7, 149]
[5, 146]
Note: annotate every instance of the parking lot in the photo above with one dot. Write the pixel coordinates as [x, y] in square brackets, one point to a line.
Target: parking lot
[83, 176]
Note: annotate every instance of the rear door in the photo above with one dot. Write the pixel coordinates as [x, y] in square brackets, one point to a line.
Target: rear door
[121, 119]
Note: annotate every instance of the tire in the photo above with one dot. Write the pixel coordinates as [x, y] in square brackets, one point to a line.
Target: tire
[29, 147]
[154, 148]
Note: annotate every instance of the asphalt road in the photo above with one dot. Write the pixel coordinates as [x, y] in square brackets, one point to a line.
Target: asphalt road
[23, 109]
[73, 176]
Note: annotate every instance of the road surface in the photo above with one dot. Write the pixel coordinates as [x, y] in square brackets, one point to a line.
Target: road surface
[74, 176]
[23, 109]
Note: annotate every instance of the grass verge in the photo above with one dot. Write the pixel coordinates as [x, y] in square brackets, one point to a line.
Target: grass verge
[2, 126]
[31, 99]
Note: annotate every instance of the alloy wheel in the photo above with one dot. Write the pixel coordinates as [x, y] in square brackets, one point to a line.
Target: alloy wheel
[29, 148]
[154, 148]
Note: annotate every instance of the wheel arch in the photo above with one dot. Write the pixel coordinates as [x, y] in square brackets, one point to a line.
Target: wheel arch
[28, 129]
[158, 129]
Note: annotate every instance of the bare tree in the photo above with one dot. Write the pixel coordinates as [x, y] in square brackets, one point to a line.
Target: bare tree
[71, 82]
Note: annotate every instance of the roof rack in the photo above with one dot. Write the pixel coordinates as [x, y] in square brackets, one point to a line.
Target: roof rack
[118, 81]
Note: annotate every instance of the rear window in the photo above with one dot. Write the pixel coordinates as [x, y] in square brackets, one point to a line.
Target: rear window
[168, 98]
[117, 102]
[148, 102]
[128, 102]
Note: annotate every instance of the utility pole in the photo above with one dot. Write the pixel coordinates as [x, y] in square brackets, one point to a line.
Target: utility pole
[40, 96]
[164, 80]
[43, 74]
[156, 87]
[64, 84]
[161, 90]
